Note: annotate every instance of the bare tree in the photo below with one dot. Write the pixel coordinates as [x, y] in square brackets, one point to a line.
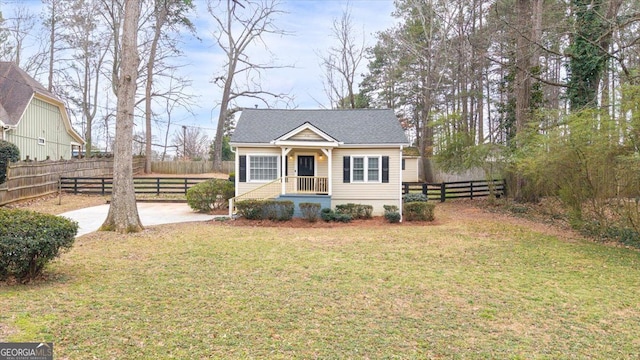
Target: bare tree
[18, 27]
[238, 26]
[166, 13]
[176, 86]
[341, 62]
[88, 46]
[191, 143]
[123, 213]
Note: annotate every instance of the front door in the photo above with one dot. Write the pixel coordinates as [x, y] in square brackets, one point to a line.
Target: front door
[306, 167]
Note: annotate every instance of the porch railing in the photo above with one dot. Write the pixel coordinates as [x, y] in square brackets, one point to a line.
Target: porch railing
[267, 191]
[307, 185]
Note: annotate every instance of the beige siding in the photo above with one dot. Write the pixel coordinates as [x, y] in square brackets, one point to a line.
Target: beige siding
[42, 120]
[306, 135]
[376, 194]
[410, 172]
[242, 188]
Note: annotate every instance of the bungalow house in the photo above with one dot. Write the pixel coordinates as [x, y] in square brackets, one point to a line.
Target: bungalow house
[326, 156]
[34, 119]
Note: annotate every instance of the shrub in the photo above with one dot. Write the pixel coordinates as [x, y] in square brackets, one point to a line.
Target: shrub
[418, 211]
[414, 197]
[390, 208]
[210, 195]
[29, 240]
[250, 209]
[9, 152]
[391, 213]
[277, 210]
[392, 216]
[265, 209]
[310, 211]
[327, 214]
[357, 211]
[330, 215]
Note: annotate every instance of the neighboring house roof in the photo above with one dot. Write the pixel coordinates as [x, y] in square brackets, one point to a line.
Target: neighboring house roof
[349, 127]
[17, 89]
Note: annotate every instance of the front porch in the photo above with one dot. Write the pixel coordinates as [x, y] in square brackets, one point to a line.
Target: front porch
[295, 188]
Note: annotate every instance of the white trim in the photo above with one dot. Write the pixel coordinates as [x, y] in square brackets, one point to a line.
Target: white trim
[314, 144]
[400, 184]
[365, 169]
[303, 127]
[248, 175]
[305, 144]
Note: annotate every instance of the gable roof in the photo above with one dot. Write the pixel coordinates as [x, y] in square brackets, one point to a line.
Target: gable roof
[16, 90]
[349, 127]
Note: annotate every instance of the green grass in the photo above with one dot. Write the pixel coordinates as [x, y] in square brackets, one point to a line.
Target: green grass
[460, 289]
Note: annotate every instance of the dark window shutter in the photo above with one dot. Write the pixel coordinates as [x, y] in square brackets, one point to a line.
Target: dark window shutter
[403, 164]
[385, 169]
[243, 168]
[286, 166]
[346, 169]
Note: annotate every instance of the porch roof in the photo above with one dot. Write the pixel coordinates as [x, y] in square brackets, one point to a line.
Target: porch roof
[349, 127]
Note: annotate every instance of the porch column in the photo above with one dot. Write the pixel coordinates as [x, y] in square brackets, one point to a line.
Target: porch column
[283, 166]
[329, 152]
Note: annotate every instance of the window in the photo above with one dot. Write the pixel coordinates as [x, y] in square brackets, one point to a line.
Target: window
[365, 168]
[41, 141]
[358, 169]
[373, 169]
[263, 168]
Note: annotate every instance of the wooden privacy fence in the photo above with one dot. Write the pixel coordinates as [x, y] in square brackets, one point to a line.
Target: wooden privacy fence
[146, 185]
[188, 167]
[26, 180]
[457, 189]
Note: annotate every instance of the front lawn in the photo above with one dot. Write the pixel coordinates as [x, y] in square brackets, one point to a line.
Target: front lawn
[472, 285]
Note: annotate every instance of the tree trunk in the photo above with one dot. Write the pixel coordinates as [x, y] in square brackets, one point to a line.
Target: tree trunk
[123, 213]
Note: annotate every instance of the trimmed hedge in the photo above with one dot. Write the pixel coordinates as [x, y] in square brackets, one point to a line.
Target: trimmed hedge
[310, 211]
[414, 197]
[9, 152]
[418, 211]
[265, 209]
[29, 240]
[357, 211]
[210, 195]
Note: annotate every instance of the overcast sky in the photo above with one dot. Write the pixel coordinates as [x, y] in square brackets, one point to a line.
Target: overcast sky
[308, 21]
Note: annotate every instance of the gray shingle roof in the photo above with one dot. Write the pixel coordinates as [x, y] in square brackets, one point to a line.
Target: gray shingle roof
[351, 127]
[16, 90]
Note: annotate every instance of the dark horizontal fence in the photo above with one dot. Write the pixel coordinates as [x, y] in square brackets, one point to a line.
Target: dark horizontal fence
[147, 185]
[457, 189]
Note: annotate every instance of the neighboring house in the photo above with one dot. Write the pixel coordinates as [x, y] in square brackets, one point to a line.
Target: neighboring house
[33, 118]
[411, 165]
[326, 156]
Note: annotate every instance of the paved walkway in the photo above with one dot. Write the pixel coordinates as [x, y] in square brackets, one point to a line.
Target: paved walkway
[90, 219]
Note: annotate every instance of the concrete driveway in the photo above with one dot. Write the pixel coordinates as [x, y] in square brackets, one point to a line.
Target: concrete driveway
[90, 219]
